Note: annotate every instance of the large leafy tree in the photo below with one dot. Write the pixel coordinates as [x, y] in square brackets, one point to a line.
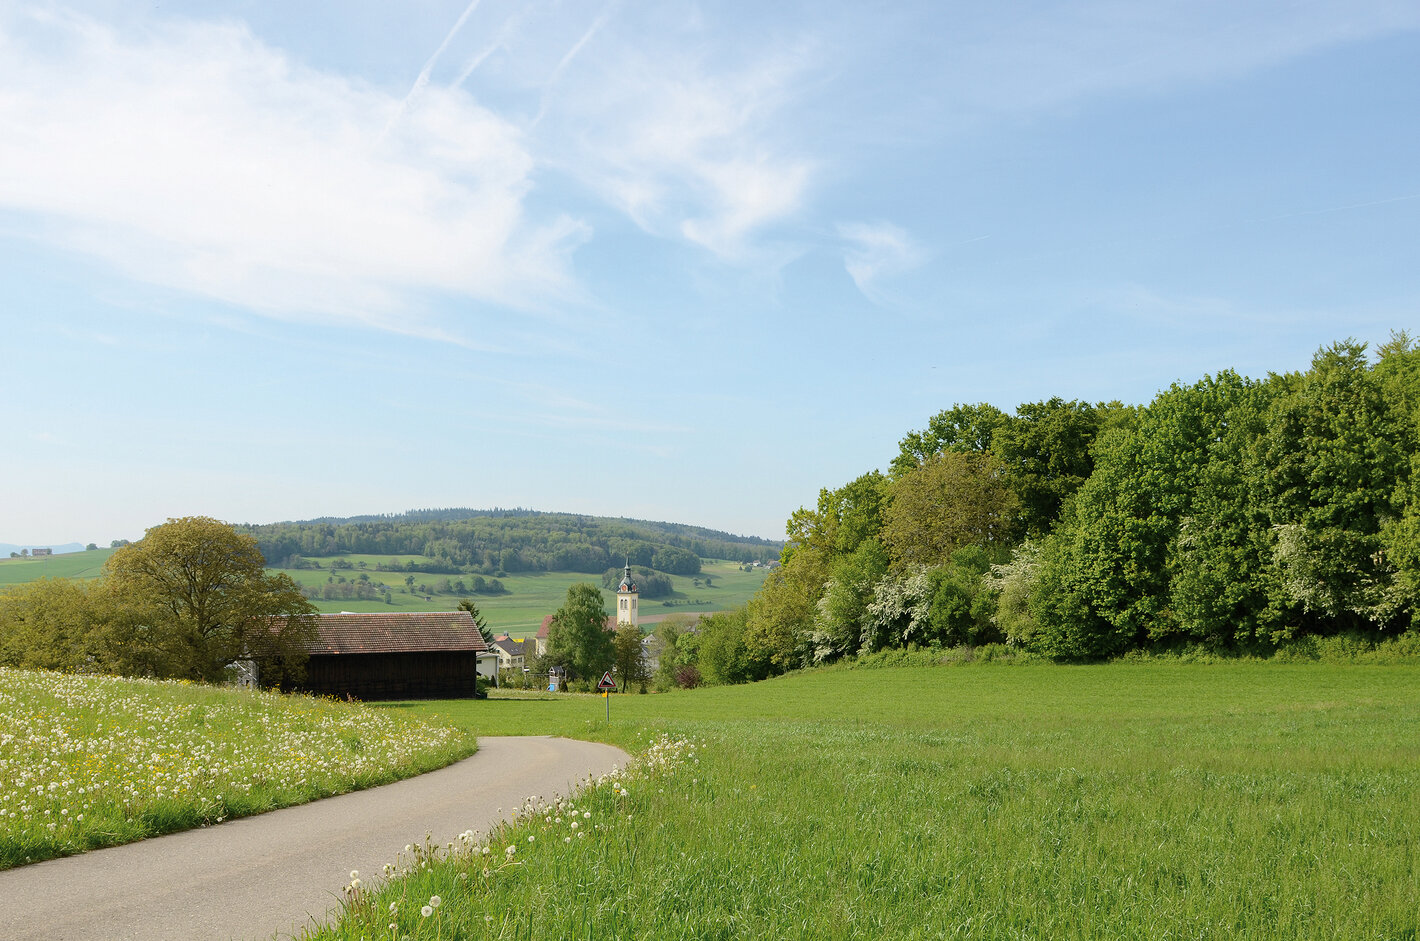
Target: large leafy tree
[725, 655]
[962, 428]
[954, 499]
[196, 598]
[1046, 449]
[838, 628]
[578, 638]
[1104, 582]
[49, 624]
[1338, 460]
[629, 656]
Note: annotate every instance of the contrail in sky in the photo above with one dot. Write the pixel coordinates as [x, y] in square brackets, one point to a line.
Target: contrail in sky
[567, 60]
[423, 78]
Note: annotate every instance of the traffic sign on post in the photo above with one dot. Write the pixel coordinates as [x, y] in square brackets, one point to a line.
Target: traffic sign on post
[606, 687]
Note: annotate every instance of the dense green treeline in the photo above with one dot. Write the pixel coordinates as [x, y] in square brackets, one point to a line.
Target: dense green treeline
[1232, 515]
[491, 541]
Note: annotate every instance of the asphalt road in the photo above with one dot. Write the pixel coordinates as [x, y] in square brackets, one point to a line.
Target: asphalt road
[270, 875]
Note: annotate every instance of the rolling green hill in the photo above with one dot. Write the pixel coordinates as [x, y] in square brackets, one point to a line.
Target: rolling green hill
[70, 565]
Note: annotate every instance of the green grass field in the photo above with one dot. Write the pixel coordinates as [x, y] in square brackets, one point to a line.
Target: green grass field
[1147, 801]
[530, 596]
[81, 565]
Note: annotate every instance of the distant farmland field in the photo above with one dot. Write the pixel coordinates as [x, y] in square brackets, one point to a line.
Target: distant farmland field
[530, 596]
[69, 565]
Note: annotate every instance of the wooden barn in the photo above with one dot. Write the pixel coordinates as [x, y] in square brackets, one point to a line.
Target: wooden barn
[423, 655]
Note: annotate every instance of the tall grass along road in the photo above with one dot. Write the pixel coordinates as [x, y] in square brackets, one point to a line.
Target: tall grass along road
[260, 876]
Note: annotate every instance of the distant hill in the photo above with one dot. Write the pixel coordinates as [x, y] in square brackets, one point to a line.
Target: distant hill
[518, 540]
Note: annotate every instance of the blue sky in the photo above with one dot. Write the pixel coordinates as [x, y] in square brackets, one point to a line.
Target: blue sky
[266, 261]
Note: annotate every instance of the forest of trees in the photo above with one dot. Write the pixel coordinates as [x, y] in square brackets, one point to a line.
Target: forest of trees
[1231, 513]
[460, 541]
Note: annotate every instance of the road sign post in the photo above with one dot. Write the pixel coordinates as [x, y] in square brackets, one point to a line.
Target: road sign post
[605, 687]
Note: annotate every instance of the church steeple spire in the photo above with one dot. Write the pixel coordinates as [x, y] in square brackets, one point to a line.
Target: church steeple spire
[626, 598]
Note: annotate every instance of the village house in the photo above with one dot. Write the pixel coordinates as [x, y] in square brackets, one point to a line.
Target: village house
[512, 654]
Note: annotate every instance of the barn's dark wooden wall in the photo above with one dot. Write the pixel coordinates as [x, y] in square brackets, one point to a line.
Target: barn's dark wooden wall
[423, 675]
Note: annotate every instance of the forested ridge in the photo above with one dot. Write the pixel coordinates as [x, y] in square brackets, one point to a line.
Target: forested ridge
[1230, 515]
[492, 541]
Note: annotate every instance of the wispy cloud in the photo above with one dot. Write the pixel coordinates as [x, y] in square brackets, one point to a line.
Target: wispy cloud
[876, 250]
[193, 156]
[686, 134]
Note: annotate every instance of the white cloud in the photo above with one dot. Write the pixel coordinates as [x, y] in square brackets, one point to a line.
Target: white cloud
[193, 156]
[681, 134]
[876, 250]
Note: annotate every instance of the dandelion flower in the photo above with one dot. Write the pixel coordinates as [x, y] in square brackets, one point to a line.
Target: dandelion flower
[435, 901]
[426, 911]
[511, 850]
[354, 874]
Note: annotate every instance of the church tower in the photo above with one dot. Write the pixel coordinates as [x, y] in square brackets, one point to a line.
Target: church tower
[626, 597]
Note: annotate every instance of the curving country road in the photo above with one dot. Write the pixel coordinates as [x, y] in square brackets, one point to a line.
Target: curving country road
[272, 874]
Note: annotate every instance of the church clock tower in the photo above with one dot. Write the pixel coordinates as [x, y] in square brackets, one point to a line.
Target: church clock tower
[626, 597]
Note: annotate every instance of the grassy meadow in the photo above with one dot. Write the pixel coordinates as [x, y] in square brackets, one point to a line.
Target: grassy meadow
[91, 761]
[1146, 801]
[81, 565]
[530, 596]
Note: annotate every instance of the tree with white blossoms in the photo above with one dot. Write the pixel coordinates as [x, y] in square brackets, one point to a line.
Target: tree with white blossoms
[898, 614]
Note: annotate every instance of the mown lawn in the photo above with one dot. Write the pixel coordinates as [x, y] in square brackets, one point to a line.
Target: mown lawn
[1121, 801]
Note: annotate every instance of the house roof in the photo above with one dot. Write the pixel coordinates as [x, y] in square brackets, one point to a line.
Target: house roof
[513, 648]
[383, 632]
[547, 625]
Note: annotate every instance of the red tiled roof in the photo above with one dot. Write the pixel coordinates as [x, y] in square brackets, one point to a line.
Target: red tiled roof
[547, 625]
[396, 633]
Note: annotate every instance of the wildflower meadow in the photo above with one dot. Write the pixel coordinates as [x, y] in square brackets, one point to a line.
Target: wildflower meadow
[89, 761]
